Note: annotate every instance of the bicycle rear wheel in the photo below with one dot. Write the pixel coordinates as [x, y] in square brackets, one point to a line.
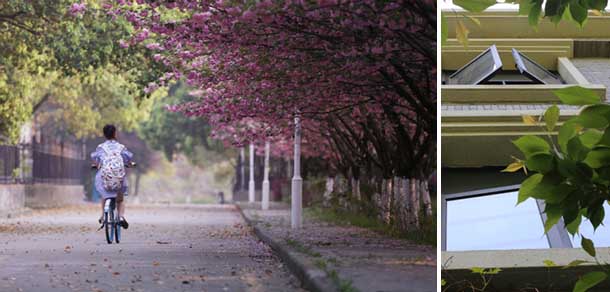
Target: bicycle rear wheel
[109, 226]
[117, 229]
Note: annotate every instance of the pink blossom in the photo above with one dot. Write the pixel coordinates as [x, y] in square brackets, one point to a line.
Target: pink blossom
[154, 47]
[201, 17]
[78, 9]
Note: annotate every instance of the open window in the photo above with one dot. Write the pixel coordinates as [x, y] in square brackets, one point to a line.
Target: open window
[479, 70]
[488, 219]
[533, 70]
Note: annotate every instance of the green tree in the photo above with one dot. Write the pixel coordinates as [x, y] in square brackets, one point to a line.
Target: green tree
[42, 46]
[570, 172]
[176, 133]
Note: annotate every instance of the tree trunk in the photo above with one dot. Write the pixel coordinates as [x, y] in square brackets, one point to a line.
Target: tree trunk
[425, 195]
[397, 201]
[340, 183]
[414, 203]
[387, 200]
[330, 187]
[405, 207]
[356, 189]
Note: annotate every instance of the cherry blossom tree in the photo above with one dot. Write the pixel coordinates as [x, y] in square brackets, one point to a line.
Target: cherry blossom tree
[360, 74]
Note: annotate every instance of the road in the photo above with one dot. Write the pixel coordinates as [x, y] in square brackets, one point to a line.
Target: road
[178, 248]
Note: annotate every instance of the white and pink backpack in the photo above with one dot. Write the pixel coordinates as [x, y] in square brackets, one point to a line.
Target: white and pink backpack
[113, 168]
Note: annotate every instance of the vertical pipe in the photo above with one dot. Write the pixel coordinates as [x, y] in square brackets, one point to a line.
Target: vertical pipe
[251, 184]
[296, 219]
[265, 198]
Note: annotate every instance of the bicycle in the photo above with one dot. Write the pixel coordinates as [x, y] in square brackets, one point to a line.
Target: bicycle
[111, 222]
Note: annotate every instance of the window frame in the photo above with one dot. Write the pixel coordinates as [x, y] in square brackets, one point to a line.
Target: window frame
[497, 62]
[519, 57]
[557, 236]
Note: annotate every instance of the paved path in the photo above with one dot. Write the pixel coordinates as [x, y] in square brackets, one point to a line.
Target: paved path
[189, 248]
[353, 258]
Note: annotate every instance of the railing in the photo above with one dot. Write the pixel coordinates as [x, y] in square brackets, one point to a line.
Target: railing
[9, 163]
[56, 163]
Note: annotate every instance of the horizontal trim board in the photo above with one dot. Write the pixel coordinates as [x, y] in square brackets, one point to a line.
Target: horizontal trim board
[495, 133]
[509, 24]
[503, 94]
[497, 115]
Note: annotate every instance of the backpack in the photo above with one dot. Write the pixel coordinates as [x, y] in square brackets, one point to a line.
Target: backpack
[113, 168]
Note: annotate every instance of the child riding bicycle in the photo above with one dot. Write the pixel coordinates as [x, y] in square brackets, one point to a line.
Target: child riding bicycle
[111, 158]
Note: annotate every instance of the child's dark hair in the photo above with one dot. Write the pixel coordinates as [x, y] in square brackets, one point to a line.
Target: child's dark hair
[109, 132]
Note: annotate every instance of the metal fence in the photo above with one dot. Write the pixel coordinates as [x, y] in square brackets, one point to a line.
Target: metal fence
[56, 163]
[9, 163]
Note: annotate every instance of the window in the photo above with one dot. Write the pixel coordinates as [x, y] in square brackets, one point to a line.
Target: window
[533, 70]
[486, 68]
[488, 219]
[479, 70]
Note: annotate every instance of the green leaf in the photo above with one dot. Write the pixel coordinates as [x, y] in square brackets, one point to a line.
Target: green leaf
[474, 5]
[576, 95]
[601, 109]
[597, 4]
[461, 33]
[553, 214]
[525, 6]
[587, 245]
[590, 119]
[575, 263]
[561, 14]
[545, 188]
[551, 116]
[578, 12]
[572, 227]
[591, 137]
[525, 191]
[605, 139]
[568, 130]
[541, 162]
[477, 270]
[549, 263]
[530, 145]
[560, 192]
[598, 158]
[444, 29]
[589, 280]
[534, 15]
[596, 214]
[552, 8]
[574, 171]
[515, 166]
[570, 211]
[576, 150]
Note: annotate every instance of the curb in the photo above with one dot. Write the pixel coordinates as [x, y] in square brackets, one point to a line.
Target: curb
[15, 213]
[311, 277]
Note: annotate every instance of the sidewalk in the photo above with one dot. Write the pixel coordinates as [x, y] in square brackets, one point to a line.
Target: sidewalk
[343, 258]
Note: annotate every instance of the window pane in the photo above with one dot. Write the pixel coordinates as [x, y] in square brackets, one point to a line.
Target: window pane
[601, 236]
[494, 222]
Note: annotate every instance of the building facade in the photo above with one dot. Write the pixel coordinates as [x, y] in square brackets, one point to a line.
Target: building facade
[481, 226]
